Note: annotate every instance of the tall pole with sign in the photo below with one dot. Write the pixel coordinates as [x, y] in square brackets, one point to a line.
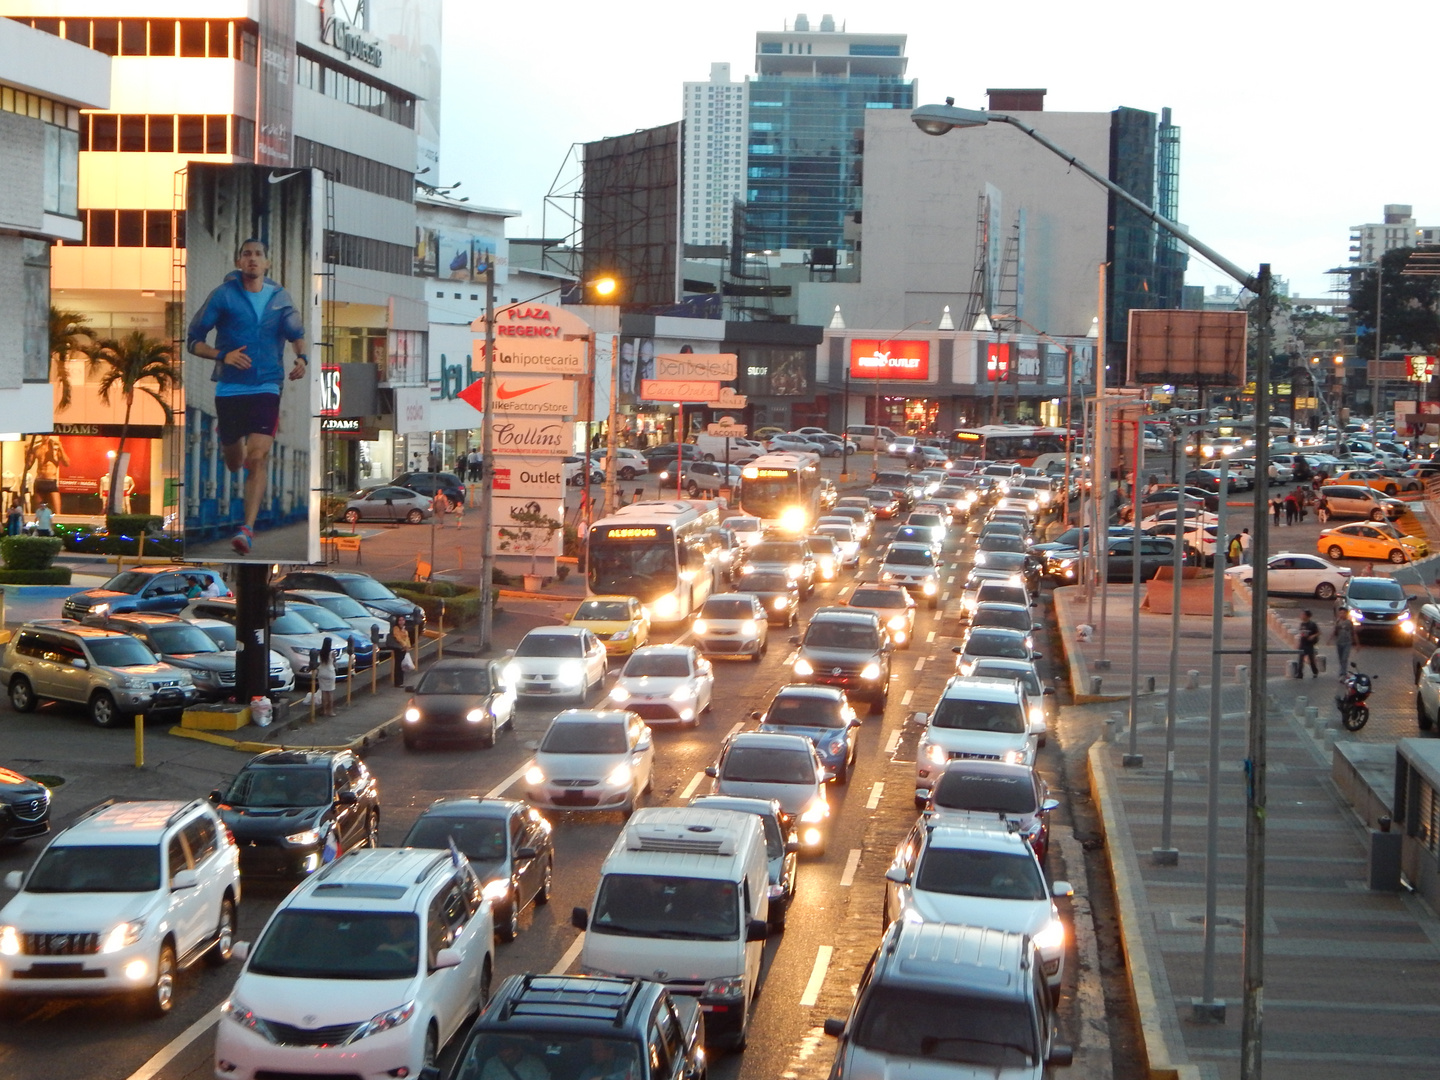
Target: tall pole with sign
[610, 436]
[487, 472]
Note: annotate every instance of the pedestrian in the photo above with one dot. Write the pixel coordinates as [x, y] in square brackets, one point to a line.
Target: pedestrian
[1322, 508]
[1153, 486]
[399, 646]
[457, 509]
[1292, 508]
[1309, 636]
[1301, 496]
[1275, 508]
[1234, 551]
[1369, 570]
[15, 519]
[1245, 540]
[44, 521]
[438, 506]
[325, 678]
[1344, 638]
[474, 466]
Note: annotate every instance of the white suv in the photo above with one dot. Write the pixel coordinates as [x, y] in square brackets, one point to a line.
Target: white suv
[983, 719]
[368, 969]
[120, 901]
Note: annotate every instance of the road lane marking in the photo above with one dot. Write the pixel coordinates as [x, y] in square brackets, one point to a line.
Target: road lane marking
[695, 782]
[876, 790]
[950, 580]
[920, 663]
[176, 1046]
[811, 993]
[563, 964]
[909, 696]
[852, 863]
[894, 740]
[500, 788]
[930, 639]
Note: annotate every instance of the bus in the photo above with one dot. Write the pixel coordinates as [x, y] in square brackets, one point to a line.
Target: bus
[1008, 442]
[657, 552]
[782, 490]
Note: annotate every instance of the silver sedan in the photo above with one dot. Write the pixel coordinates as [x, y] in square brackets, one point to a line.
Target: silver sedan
[388, 504]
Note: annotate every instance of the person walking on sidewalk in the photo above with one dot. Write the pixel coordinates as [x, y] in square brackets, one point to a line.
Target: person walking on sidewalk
[1344, 638]
[1322, 507]
[325, 678]
[1309, 637]
[1245, 547]
[1275, 509]
[399, 646]
[1292, 508]
[1234, 551]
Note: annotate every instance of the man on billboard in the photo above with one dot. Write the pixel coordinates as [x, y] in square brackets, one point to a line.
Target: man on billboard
[253, 317]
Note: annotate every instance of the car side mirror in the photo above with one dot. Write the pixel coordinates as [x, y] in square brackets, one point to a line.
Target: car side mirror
[919, 719]
[834, 1028]
[794, 641]
[14, 878]
[1048, 805]
[410, 688]
[792, 847]
[757, 930]
[1037, 655]
[80, 662]
[711, 771]
[240, 950]
[1062, 888]
[525, 853]
[1036, 626]
[183, 879]
[755, 714]
[957, 650]
[579, 918]
[897, 874]
[446, 958]
[346, 798]
[215, 795]
[643, 743]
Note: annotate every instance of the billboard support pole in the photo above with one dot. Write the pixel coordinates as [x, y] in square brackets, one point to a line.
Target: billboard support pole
[487, 472]
[252, 611]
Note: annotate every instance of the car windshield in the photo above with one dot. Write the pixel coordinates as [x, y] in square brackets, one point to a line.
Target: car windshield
[930, 521]
[988, 1032]
[482, 839]
[341, 605]
[742, 524]
[910, 557]
[549, 645]
[523, 1056]
[291, 623]
[820, 545]
[304, 944]
[880, 495]
[322, 619]
[1026, 676]
[280, 785]
[1375, 590]
[119, 652]
[603, 611]
[1387, 529]
[727, 609]
[664, 665]
[223, 634]
[913, 534]
[585, 737]
[1002, 594]
[448, 680]
[649, 905]
[877, 598]
[999, 544]
[841, 534]
[131, 581]
[970, 715]
[767, 765]
[367, 589]
[961, 790]
[777, 552]
[804, 711]
[833, 634]
[108, 868]
[181, 638]
[995, 875]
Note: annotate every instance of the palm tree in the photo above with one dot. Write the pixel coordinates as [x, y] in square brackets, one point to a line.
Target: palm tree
[69, 333]
[134, 363]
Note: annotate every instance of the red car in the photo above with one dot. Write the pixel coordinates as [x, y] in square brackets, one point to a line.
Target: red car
[885, 502]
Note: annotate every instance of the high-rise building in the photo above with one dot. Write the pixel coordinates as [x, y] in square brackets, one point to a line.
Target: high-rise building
[713, 175]
[1398, 230]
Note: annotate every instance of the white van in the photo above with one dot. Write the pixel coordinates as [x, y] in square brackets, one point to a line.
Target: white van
[684, 899]
[865, 436]
[712, 448]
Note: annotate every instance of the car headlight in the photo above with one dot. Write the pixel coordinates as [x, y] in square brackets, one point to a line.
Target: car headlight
[899, 622]
[1037, 714]
[749, 626]
[1051, 937]
[570, 673]
[817, 811]
[621, 774]
[620, 695]
[747, 569]
[306, 837]
[870, 671]
[9, 941]
[100, 609]
[476, 716]
[246, 1017]
[930, 588]
[1014, 757]
[683, 692]
[412, 715]
[132, 682]
[1407, 626]
[667, 605]
[780, 603]
[936, 754]
[385, 1021]
[980, 558]
[700, 626]
[727, 986]
[887, 576]
[127, 933]
[496, 890]
[534, 775]
[512, 674]
[803, 667]
[620, 635]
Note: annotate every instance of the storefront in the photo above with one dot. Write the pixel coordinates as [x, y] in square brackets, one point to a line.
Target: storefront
[70, 469]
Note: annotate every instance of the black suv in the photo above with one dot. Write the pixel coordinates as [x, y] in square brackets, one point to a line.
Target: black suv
[143, 588]
[292, 811]
[428, 483]
[845, 647]
[24, 807]
[362, 588]
[578, 1025]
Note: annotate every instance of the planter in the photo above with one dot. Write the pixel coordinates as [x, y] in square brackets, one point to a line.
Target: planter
[534, 582]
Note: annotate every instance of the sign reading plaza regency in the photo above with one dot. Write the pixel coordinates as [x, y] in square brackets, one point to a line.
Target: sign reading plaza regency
[871, 359]
[538, 339]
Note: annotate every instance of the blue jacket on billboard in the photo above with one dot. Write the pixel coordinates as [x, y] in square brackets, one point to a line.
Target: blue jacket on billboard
[229, 311]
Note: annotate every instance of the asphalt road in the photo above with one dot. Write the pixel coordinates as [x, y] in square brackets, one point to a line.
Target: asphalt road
[811, 968]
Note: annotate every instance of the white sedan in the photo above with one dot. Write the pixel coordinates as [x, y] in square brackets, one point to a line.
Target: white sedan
[843, 533]
[1193, 516]
[666, 684]
[1300, 574]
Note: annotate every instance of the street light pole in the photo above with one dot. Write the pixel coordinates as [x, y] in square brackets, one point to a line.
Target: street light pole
[487, 473]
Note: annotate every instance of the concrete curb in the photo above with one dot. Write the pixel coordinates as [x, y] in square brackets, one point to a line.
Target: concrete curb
[1074, 658]
[377, 733]
[1149, 987]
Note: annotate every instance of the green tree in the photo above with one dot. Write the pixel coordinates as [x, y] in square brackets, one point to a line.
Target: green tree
[136, 363]
[69, 334]
[1409, 311]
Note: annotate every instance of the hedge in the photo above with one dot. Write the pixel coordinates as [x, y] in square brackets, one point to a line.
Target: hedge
[462, 602]
[134, 524]
[30, 552]
[102, 543]
[53, 575]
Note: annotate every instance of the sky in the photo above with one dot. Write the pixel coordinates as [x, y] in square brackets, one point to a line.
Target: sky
[1297, 121]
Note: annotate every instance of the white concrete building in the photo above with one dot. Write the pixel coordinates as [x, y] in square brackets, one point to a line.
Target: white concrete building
[1398, 230]
[44, 83]
[713, 175]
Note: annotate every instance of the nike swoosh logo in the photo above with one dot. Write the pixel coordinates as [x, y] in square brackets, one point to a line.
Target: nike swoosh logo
[285, 176]
[505, 395]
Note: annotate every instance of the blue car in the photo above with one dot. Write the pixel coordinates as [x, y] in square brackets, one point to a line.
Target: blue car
[144, 588]
[823, 715]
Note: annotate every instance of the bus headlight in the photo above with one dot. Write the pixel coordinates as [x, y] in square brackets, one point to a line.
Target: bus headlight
[793, 518]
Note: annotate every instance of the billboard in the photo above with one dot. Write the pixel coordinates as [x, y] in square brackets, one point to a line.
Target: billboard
[1187, 348]
[252, 374]
[889, 360]
[997, 362]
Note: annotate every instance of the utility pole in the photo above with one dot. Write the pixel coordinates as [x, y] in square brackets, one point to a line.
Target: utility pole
[487, 473]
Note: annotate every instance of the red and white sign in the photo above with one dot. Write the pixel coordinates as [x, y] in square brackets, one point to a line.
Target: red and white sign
[330, 390]
[531, 477]
[890, 360]
[524, 395]
[536, 356]
[997, 362]
[518, 321]
[1419, 368]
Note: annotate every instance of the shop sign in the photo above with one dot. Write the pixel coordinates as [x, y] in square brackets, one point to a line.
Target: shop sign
[727, 431]
[997, 362]
[537, 356]
[719, 366]
[329, 391]
[683, 390]
[108, 431]
[533, 435]
[1419, 368]
[524, 395]
[517, 539]
[529, 476]
[340, 423]
[890, 360]
[348, 39]
[412, 410]
[531, 321]
[76, 485]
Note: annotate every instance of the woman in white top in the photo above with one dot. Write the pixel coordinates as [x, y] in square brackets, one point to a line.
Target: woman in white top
[325, 678]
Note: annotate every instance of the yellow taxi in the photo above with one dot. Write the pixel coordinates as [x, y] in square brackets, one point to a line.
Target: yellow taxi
[1383, 480]
[1371, 540]
[619, 621]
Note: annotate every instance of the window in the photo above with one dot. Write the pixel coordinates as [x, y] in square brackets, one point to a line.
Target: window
[215, 135]
[100, 228]
[157, 228]
[161, 135]
[192, 37]
[162, 37]
[132, 133]
[129, 228]
[192, 135]
[106, 36]
[178, 859]
[200, 838]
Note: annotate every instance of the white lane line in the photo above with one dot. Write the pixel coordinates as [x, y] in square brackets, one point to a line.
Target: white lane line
[563, 964]
[909, 697]
[921, 662]
[894, 740]
[945, 597]
[176, 1046]
[950, 580]
[851, 865]
[811, 993]
[695, 782]
[876, 790]
[930, 638]
[504, 785]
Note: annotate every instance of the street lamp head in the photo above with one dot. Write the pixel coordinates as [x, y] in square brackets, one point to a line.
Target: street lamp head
[938, 119]
[605, 287]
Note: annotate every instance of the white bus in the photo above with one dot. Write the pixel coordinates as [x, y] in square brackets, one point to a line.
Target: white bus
[782, 490]
[656, 552]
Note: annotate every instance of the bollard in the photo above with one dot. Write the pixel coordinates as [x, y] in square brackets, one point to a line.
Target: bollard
[375, 665]
[1312, 717]
[1192, 680]
[440, 641]
[1300, 704]
[350, 682]
[1095, 682]
[1149, 684]
[1242, 674]
[314, 681]
[1111, 726]
[1292, 669]
[139, 740]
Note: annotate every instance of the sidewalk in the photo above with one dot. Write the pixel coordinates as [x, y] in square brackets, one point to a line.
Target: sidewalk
[1349, 973]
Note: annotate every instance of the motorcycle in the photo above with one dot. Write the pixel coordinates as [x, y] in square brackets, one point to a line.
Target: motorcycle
[1355, 689]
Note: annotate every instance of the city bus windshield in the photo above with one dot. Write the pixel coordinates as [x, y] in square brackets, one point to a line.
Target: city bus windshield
[641, 568]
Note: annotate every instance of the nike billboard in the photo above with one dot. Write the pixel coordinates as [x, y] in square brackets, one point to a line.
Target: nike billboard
[252, 365]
